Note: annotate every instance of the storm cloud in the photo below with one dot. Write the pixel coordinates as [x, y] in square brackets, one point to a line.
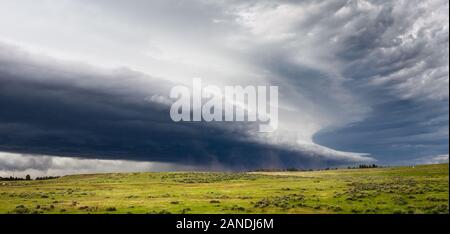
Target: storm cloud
[65, 109]
[360, 81]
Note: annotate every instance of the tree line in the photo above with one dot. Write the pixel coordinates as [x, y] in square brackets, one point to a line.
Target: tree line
[27, 177]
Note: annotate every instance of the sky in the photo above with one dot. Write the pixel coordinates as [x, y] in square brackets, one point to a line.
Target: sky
[84, 85]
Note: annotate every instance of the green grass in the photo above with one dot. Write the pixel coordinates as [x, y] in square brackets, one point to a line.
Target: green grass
[422, 189]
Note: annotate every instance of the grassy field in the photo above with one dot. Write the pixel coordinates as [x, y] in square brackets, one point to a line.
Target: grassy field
[420, 189]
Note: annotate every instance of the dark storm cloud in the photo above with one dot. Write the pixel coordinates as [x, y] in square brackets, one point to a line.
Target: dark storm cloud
[398, 63]
[55, 108]
[379, 68]
[354, 75]
[395, 132]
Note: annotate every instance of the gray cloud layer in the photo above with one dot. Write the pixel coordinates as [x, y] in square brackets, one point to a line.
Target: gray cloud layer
[60, 109]
[40, 165]
[354, 76]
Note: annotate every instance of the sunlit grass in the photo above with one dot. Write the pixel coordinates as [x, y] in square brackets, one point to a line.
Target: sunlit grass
[420, 189]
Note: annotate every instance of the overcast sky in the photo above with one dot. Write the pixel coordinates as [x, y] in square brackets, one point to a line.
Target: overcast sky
[359, 82]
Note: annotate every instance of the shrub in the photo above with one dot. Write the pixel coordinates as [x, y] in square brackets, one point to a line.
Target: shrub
[21, 209]
[111, 209]
[164, 212]
[399, 201]
[185, 210]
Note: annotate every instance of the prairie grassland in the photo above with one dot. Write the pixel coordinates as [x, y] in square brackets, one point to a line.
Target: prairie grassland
[409, 190]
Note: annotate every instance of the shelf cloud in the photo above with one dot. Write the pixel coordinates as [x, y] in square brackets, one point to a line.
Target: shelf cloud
[359, 81]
